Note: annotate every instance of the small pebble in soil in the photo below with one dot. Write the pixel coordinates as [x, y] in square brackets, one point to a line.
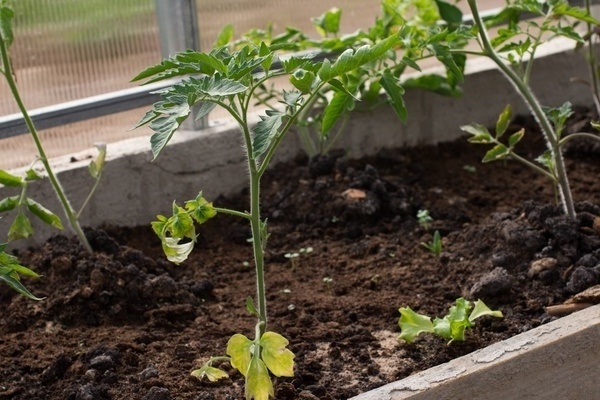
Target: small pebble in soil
[102, 363]
[150, 372]
[157, 393]
[493, 284]
[541, 265]
[581, 279]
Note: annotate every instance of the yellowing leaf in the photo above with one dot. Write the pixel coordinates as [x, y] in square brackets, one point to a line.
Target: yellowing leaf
[278, 359]
[176, 252]
[211, 373]
[258, 381]
[239, 348]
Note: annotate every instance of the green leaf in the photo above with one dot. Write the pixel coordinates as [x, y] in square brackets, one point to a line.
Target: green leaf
[200, 209]
[184, 63]
[97, 166]
[258, 381]
[350, 59]
[205, 108]
[453, 325]
[239, 348]
[503, 121]
[211, 373]
[265, 131]
[395, 93]
[412, 324]
[10, 270]
[339, 105]
[595, 125]
[45, 215]
[480, 133]
[449, 13]
[434, 83]
[6, 16]
[166, 126]
[328, 22]
[443, 54]
[20, 228]
[251, 308]
[516, 138]
[225, 36]
[32, 175]
[303, 80]
[563, 8]
[8, 179]
[498, 152]
[18, 286]
[276, 356]
[481, 309]
[9, 203]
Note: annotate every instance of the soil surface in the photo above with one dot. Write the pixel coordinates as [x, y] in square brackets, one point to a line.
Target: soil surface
[126, 324]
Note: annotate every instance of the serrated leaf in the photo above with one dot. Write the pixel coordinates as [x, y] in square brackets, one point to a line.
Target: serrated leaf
[503, 121]
[9, 203]
[302, 80]
[20, 228]
[166, 126]
[412, 324]
[45, 215]
[350, 59]
[276, 356]
[6, 16]
[563, 8]
[411, 63]
[498, 152]
[184, 63]
[200, 209]
[258, 381]
[395, 93]
[8, 179]
[480, 309]
[340, 104]
[292, 98]
[443, 54]
[211, 373]
[265, 131]
[239, 349]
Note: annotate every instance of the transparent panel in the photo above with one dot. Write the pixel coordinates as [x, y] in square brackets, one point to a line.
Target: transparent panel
[66, 50]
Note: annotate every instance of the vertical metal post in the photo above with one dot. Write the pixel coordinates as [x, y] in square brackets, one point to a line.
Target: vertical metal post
[178, 29]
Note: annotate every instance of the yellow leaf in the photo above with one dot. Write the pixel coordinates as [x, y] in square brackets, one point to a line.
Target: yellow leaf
[278, 359]
[213, 374]
[258, 381]
[239, 348]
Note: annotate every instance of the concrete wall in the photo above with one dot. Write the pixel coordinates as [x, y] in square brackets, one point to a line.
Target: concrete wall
[134, 189]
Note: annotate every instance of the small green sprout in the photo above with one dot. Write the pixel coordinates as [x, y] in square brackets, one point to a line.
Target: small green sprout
[470, 168]
[293, 256]
[460, 317]
[435, 245]
[424, 218]
[328, 281]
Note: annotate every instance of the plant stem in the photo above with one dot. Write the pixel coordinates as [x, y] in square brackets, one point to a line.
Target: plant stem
[578, 135]
[232, 212]
[69, 212]
[592, 60]
[536, 109]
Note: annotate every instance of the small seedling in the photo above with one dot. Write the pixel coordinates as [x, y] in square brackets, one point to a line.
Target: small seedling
[424, 219]
[435, 245]
[328, 281]
[460, 317]
[470, 168]
[293, 257]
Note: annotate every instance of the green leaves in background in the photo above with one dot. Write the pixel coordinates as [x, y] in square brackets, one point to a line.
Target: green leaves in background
[6, 16]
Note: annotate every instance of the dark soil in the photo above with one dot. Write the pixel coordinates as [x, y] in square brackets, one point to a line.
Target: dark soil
[126, 324]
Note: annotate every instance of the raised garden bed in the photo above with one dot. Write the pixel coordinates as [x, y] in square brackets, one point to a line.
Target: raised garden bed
[125, 324]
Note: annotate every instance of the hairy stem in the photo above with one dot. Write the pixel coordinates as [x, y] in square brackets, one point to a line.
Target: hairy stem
[536, 109]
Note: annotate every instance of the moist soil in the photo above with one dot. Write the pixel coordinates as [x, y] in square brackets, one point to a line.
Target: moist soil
[124, 323]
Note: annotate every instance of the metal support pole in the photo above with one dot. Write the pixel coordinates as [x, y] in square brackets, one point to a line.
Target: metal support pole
[178, 29]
